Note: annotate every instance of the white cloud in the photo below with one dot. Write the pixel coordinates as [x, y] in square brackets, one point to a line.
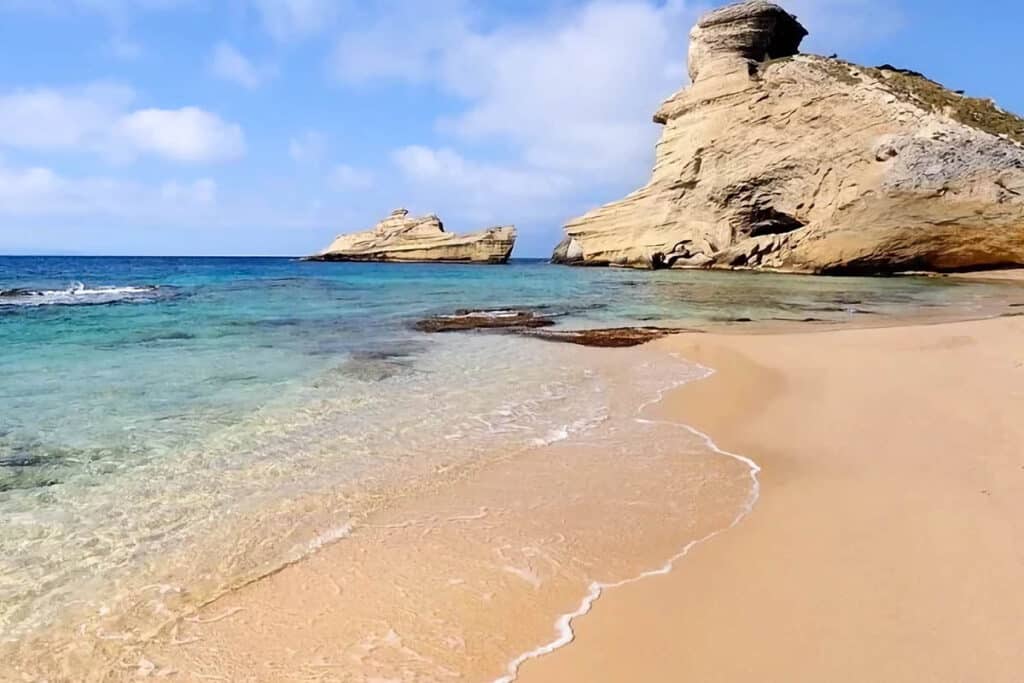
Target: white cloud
[49, 211]
[444, 179]
[293, 19]
[40, 191]
[98, 118]
[577, 95]
[403, 42]
[188, 134]
[309, 147]
[46, 118]
[345, 177]
[572, 92]
[231, 65]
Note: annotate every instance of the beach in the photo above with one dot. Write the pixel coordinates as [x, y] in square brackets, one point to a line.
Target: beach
[545, 342]
[323, 491]
[883, 544]
[887, 540]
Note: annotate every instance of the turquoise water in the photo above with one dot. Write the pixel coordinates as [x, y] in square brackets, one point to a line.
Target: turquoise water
[108, 360]
[188, 424]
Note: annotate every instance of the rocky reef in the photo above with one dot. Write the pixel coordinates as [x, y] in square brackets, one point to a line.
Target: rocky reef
[537, 324]
[499, 319]
[777, 160]
[404, 238]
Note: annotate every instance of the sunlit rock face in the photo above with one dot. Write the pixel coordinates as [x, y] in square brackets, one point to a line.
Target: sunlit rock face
[772, 159]
[401, 237]
[754, 31]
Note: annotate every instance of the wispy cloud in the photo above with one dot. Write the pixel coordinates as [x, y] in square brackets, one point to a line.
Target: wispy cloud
[124, 48]
[42, 191]
[345, 177]
[569, 94]
[308, 147]
[287, 20]
[478, 190]
[231, 65]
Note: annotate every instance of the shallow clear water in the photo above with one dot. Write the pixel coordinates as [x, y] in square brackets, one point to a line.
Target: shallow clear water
[191, 423]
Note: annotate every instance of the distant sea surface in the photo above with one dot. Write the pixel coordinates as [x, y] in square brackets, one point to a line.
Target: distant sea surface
[171, 427]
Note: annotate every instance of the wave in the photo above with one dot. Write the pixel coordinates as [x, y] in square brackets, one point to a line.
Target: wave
[79, 294]
[565, 633]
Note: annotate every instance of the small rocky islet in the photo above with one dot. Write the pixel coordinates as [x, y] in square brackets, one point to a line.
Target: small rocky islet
[402, 238]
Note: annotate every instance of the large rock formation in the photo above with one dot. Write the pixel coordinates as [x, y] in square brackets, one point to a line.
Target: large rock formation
[777, 160]
[401, 237]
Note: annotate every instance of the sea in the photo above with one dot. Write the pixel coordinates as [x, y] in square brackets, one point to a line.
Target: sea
[172, 429]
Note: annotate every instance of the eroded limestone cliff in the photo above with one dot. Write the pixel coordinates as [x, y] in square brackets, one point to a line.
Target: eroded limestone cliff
[777, 160]
[401, 237]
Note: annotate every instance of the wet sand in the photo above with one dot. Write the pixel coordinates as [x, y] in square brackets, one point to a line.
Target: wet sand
[1005, 275]
[888, 542]
[458, 579]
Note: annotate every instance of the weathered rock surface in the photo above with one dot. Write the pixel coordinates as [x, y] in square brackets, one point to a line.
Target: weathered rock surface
[533, 323]
[777, 160]
[607, 337]
[463, 320]
[404, 238]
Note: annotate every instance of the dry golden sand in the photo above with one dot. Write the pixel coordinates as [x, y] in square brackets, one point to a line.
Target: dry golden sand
[888, 543]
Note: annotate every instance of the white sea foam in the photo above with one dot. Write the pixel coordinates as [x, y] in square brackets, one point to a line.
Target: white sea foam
[77, 293]
[563, 625]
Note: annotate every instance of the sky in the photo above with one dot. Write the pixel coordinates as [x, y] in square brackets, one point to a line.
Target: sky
[266, 127]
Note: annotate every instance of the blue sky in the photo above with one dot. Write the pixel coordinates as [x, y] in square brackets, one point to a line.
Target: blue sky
[268, 126]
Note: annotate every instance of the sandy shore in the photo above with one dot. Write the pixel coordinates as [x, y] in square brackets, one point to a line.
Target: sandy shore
[888, 543]
[1006, 275]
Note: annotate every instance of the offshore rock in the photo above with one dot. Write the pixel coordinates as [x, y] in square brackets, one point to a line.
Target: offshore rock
[776, 160]
[403, 238]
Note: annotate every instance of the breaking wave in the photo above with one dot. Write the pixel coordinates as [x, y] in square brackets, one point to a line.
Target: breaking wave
[80, 294]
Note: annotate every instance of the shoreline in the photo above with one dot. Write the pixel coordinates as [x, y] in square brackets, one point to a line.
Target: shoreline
[564, 623]
[741, 593]
[484, 562]
[742, 380]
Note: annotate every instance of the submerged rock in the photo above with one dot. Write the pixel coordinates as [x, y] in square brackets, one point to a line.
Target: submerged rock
[777, 160]
[611, 337]
[503, 319]
[404, 238]
[530, 323]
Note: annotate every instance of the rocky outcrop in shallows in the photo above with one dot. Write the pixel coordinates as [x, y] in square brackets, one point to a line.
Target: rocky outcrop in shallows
[777, 160]
[536, 324]
[502, 319]
[404, 238]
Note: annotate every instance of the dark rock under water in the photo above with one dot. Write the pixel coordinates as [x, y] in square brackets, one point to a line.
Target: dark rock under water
[536, 324]
[463, 320]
